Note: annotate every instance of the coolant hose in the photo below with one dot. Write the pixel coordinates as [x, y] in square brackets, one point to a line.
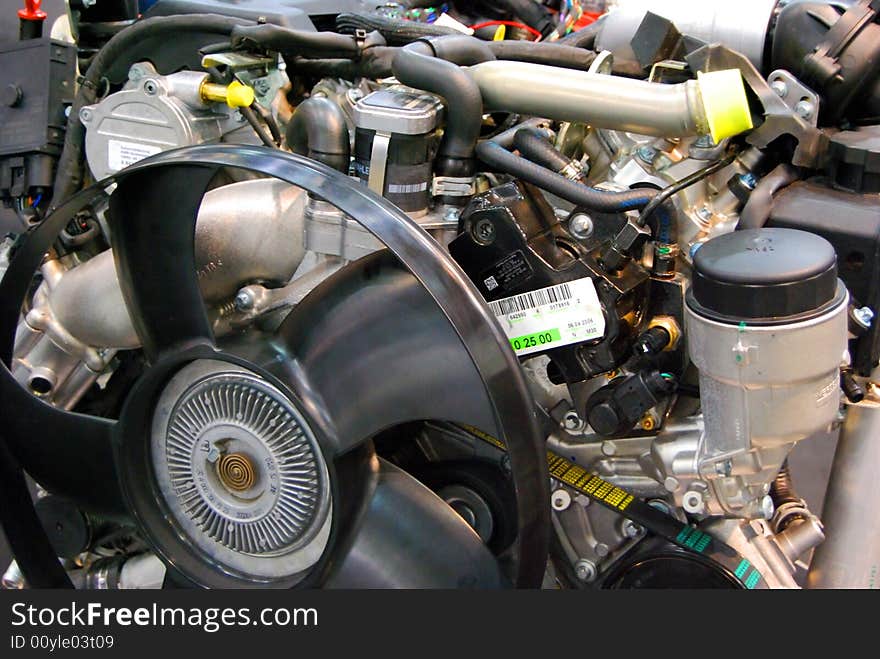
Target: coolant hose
[296, 42]
[416, 66]
[500, 159]
[318, 131]
[757, 209]
[532, 144]
[714, 104]
[550, 54]
[396, 31]
[69, 175]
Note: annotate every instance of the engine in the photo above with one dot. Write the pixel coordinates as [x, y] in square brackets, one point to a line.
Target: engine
[553, 289]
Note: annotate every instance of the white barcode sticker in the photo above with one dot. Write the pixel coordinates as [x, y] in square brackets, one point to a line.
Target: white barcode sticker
[551, 317]
[122, 154]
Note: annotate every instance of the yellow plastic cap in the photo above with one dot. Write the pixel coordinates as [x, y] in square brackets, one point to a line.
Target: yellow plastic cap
[239, 95]
[500, 33]
[725, 103]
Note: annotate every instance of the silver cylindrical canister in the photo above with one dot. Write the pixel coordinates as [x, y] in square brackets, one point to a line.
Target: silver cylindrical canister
[767, 328]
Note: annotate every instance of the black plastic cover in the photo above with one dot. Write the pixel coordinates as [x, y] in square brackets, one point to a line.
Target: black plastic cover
[764, 275]
[854, 159]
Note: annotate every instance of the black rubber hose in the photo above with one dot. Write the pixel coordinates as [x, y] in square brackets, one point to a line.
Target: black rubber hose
[550, 54]
[416, 66]
[531, 13]
[69, 175]
[506, 137]
[502, 160]
[585, 37]
[296, 42]
[533, 144]
[318, 131]
[397, 32]
[757, 209]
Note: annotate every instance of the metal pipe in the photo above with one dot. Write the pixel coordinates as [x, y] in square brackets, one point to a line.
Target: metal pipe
[714, 104]
[850, 555]
[600, 100]
[246, 232]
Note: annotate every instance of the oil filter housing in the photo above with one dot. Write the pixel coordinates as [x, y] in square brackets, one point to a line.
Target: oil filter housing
[767, 328]
[394, 144]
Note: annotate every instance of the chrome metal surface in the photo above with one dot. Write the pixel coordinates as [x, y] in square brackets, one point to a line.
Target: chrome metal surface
[241, 471]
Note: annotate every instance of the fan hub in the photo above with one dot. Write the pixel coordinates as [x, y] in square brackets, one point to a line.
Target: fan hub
[240, 471]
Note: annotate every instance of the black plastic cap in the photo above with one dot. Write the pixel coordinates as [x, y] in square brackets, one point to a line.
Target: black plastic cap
[764, 276]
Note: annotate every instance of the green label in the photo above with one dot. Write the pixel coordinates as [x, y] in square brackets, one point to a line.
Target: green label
[536, 339]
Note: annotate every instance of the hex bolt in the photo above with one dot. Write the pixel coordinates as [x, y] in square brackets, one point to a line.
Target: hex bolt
[581, 226]
[572, 422]
[805, 109]
[630, 529]
[244, 300]
[585, 570]
[484, 231]
[864, 316]
[560, 500]
[646, 154]
[780, 88]
[692, 502]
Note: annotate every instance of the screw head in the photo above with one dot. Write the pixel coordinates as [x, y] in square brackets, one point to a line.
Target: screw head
[646, 154]
[85, 115]
[484, 231]
[581, 226]
[864, 316]
[244, 300]
[780, 88]
[585, 570]
[805, 109]
[571, 421]
[631, 529]
[151, 88]
[692, 502]
[560, 500]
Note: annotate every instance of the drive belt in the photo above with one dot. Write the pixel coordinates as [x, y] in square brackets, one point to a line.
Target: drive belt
[653, 519]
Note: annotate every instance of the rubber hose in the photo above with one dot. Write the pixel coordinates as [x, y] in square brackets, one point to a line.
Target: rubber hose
[757, 209]
[500, 159]
[318, 131]
[530, 13]
[551, 54]
[416, 66]
[69, 175]
[506, 137]
[585, 37]
[296, 42]
[396, 32]
[532, 144]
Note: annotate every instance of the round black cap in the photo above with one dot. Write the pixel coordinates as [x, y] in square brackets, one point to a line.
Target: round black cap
[764, 276]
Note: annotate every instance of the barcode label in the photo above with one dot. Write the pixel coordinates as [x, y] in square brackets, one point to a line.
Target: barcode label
[551, 317]
[531, 300]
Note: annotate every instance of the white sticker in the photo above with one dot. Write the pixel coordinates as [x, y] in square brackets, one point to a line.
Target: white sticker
[122, 154]
[551, 317]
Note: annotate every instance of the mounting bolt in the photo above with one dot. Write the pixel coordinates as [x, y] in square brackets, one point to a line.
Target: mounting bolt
[244, 300]
[151, 88]
[805, 109]
[484, 231]
[85, 115]
[780, 88]
[560, 500]
[581, 226]
[692, 502]
[585, 570]
[864, 316]
[630, 529]
[572, 422]
[724, 468]
[646, 154]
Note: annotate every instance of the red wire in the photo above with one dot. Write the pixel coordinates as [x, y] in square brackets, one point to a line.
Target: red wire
[530, 30]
